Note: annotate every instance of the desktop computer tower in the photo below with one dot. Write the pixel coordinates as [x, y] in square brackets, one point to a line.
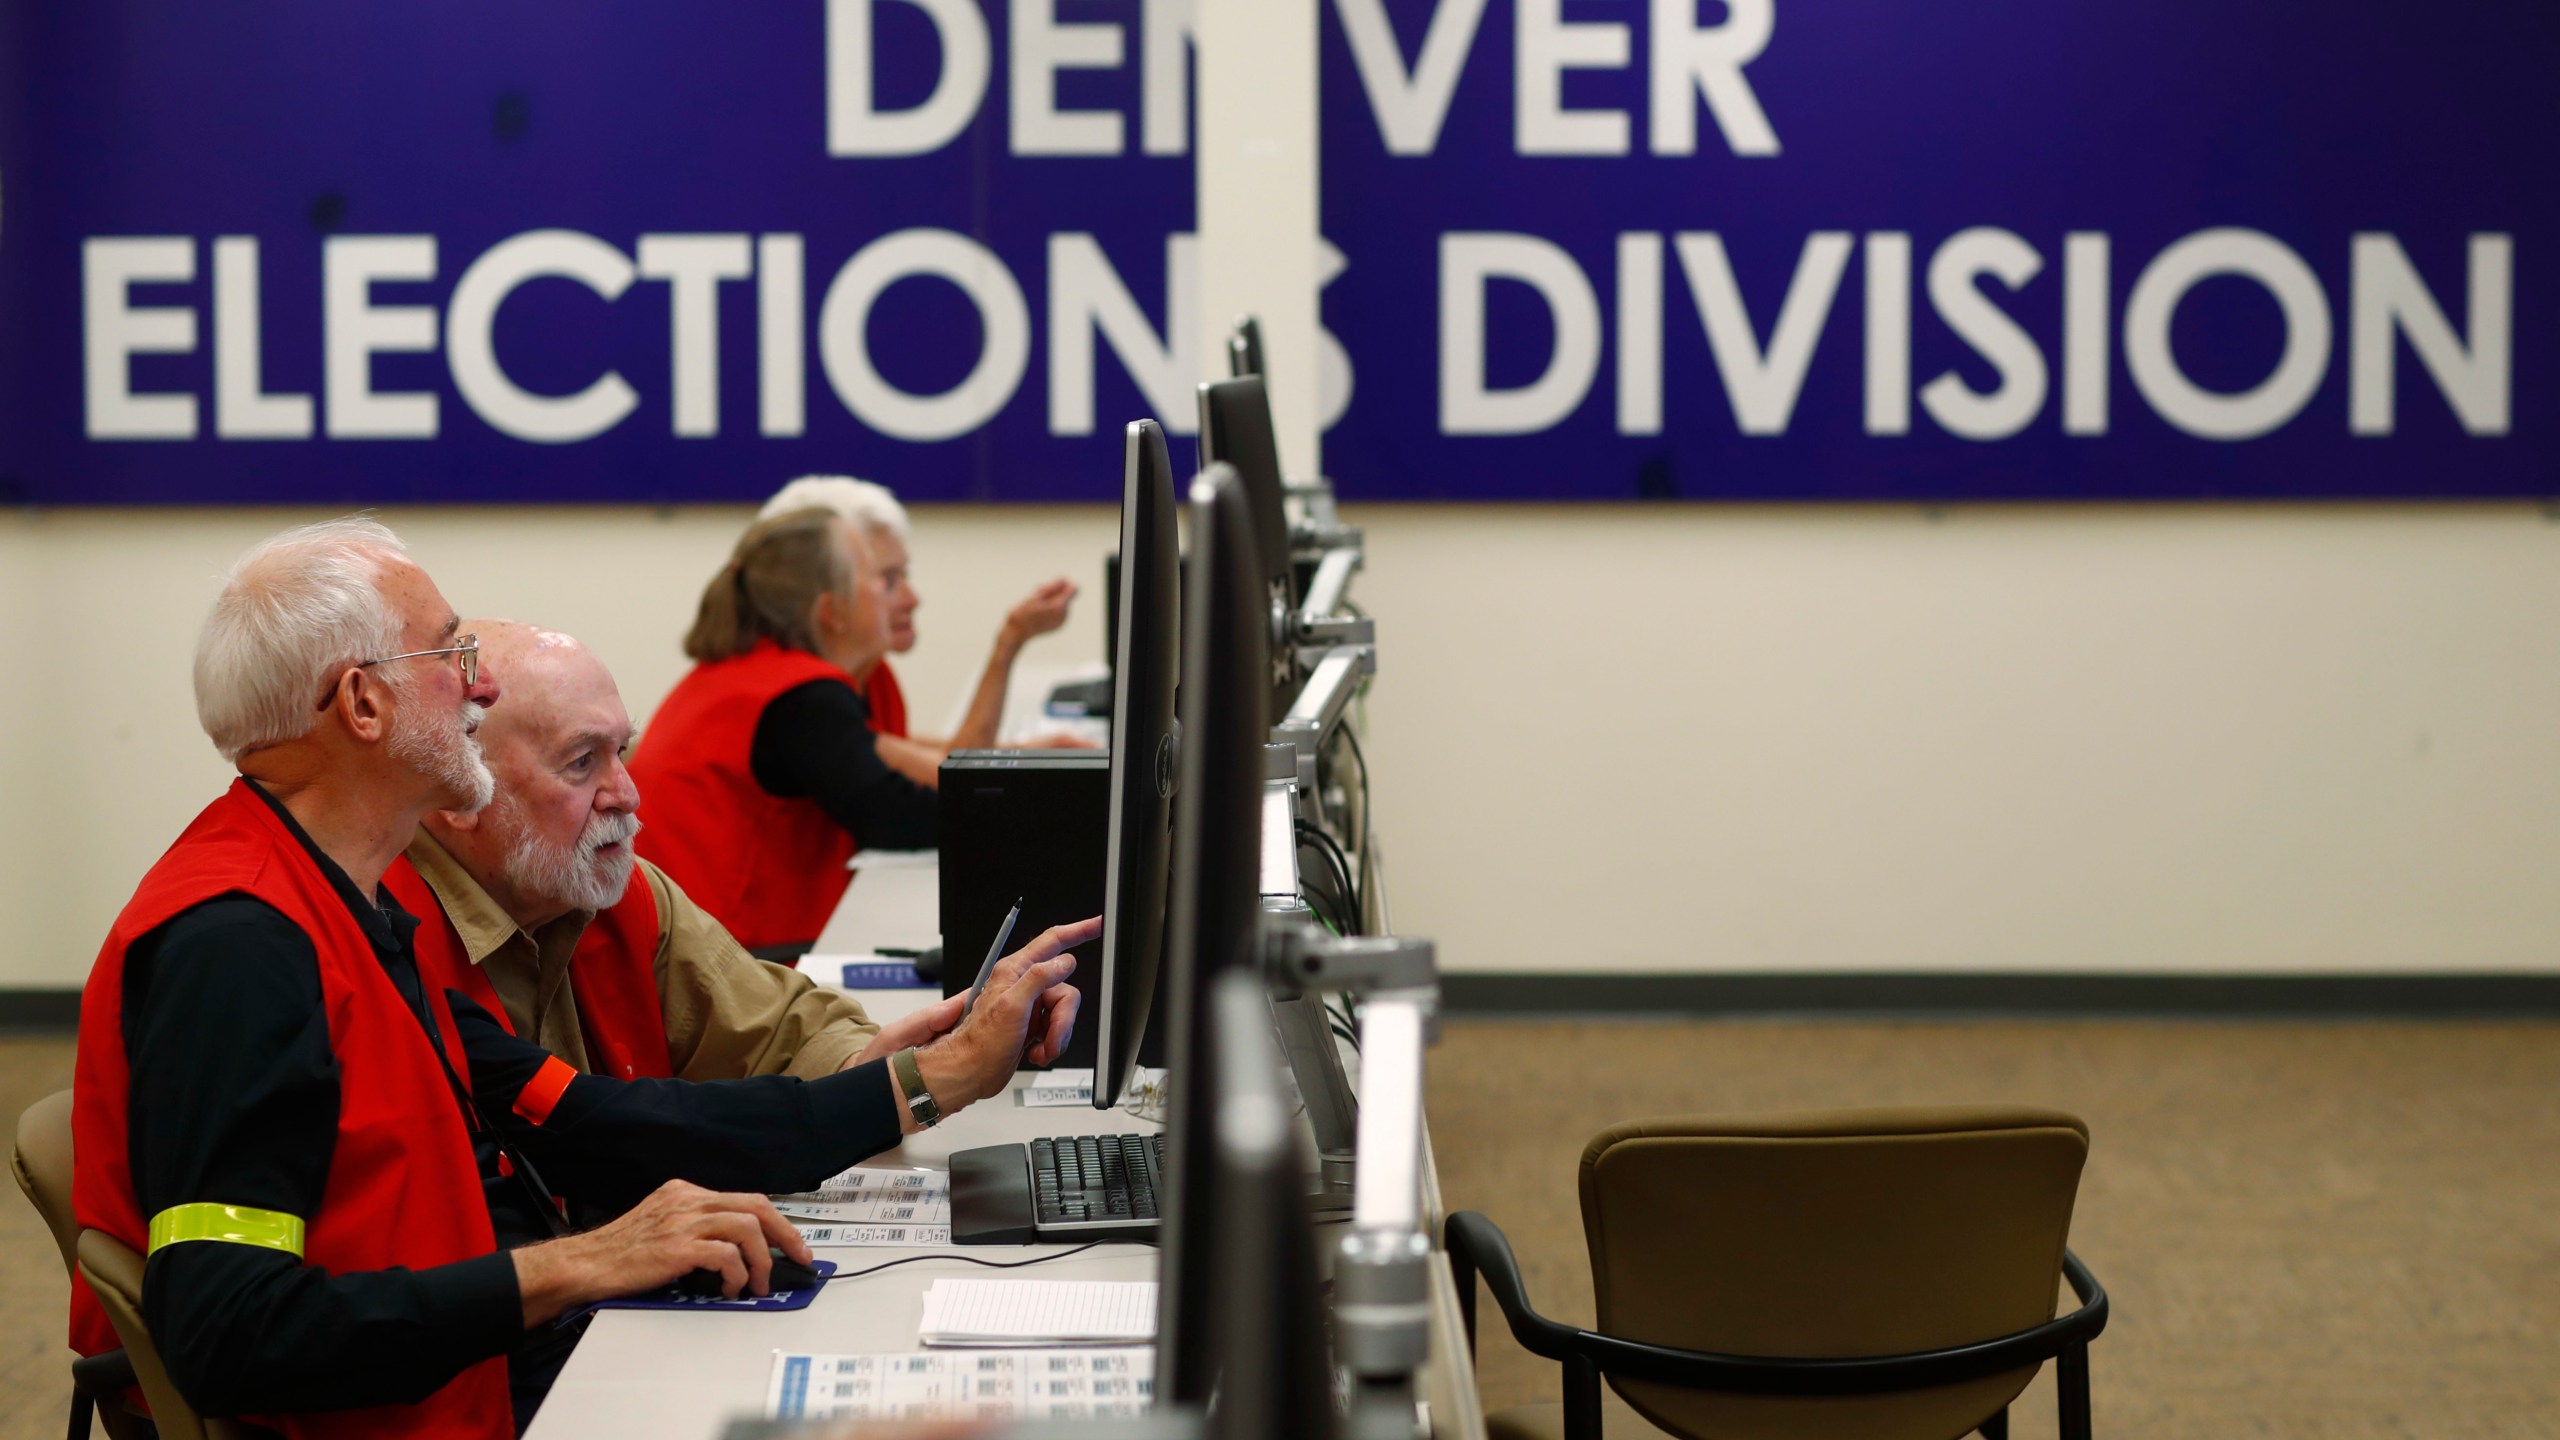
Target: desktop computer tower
[1031, 824]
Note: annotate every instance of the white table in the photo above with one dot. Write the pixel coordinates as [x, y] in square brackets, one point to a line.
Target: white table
[895, 898]
[1026, 704]
[684, 1375]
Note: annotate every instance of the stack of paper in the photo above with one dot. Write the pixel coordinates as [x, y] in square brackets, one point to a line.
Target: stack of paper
[999, 1386]
[1060, 1088]
[866, 1206]
[1039, 1312]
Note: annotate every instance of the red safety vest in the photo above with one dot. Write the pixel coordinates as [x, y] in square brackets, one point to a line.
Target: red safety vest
[403, 1188]
[770, 869]
[888, 703]
[613, 974]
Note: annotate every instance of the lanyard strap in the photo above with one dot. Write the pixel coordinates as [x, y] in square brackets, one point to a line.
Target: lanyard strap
[512, 1163]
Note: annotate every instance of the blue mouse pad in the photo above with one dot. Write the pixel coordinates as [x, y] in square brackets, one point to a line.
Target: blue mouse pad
[668, 1297]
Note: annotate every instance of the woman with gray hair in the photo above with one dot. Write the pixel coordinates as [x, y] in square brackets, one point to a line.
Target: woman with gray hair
[761, 767]
[886, 533]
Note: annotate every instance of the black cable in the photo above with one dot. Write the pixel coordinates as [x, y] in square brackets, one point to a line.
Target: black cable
[965, 1260]
[1352, 738]
[1325, 906]
[1335, 862]
[1350, 1029]
[1327, 884]
[1341, 862]
[892, 1264]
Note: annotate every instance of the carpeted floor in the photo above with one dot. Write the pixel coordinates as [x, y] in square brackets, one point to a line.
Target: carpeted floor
[2325, 1231]
[2330, 1231]
[35, 1366]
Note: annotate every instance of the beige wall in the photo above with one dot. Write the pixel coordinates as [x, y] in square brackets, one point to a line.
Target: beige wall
[1629, 739]
[2163, 739]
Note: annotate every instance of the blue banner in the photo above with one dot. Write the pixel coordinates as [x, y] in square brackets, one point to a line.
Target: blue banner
[1578, 249]
[2003, 249]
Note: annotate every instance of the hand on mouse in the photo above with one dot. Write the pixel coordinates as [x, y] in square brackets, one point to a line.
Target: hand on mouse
[786, 1275]
[680, 1228]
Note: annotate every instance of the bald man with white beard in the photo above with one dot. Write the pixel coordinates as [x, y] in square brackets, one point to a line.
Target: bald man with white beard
[537, 907]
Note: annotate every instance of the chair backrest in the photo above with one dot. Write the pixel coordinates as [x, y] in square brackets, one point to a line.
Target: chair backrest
[114, 1271]
[1829, 1234]
[42, 1163]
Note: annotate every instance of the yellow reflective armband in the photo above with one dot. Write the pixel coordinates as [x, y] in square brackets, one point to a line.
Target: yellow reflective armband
[232, 1224]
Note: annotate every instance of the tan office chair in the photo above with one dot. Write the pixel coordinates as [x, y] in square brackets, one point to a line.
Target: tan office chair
[114, 1270]
[1880, 1274]
[41, 1162]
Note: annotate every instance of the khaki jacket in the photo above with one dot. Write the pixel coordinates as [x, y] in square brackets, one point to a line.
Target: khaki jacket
[728, 1014]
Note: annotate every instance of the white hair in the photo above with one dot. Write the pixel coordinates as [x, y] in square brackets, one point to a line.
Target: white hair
[868, 505]
[294, 611]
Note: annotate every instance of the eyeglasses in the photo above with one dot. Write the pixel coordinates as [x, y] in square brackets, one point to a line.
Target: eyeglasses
[466, 646]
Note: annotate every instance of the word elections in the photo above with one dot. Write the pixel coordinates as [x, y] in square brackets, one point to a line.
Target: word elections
[1086, 298]
[1685, 62]
[1763, 375]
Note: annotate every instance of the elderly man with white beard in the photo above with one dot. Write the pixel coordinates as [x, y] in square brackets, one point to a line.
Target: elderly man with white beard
[534, 909]
[342, 1179]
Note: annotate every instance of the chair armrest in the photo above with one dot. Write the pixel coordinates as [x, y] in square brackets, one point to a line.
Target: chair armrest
[1474, 1239]
[104, 1375]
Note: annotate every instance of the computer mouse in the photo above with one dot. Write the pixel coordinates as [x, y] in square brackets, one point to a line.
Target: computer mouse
[787, 1274]
[790, 1274]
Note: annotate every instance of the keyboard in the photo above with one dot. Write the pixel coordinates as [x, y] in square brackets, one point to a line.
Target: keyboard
[1060, 1189]
[1080, 699]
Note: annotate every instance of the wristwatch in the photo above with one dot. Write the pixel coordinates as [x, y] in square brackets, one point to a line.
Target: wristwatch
[920, 1101]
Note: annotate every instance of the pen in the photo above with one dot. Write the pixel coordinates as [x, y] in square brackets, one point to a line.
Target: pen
[1004, 932]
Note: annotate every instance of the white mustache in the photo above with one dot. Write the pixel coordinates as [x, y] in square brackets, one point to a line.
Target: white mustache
[607, 830]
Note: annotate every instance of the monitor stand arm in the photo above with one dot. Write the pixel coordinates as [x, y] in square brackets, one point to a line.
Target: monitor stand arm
[1382, 1267]
[1373, 1129]
[1317, 713]
[1321, 619]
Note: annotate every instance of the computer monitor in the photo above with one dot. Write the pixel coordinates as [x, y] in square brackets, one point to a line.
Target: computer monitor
[1235, 427]
[1137, 840]
[1216, 920]
[1110, 613]
[1244, 348]
[1273, 1374]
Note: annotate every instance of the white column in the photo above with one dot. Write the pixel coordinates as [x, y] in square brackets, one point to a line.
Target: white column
[1258, 211]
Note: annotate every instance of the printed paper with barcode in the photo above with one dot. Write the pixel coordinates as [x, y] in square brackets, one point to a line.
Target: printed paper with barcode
[874, 1207]
[1001, 1385]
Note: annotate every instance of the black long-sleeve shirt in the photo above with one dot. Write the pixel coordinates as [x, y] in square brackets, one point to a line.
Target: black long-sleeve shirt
[814, 742]
[235, 1101]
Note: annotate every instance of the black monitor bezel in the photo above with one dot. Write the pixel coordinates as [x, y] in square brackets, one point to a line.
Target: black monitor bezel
[1136, 874]
[1215, 914]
